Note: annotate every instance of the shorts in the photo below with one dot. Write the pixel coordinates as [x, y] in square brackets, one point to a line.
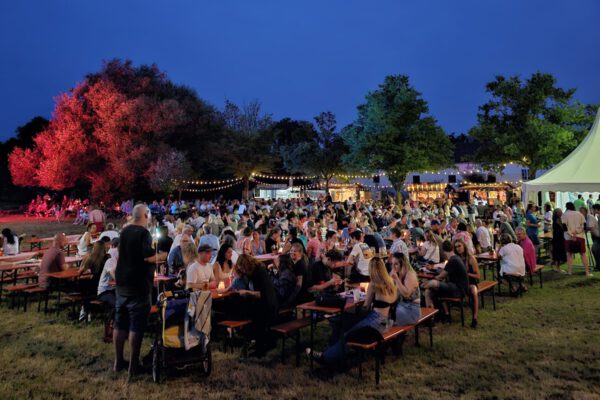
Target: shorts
[131, 312]
[449, 289]
[580, 244]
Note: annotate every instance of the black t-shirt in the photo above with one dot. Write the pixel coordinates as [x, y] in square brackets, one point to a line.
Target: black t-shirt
[320, 273]
[301, 269]
[269, 244]
[297, 240]
[457, 273]
[164, 244]
[133, 275]
[268, 297]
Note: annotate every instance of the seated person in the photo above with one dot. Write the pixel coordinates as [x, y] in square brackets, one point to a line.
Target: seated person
[462, 251]
[164, 241]
[110, 231]
[323, 278]
[175, 257]
[262, 306]
[284, 280]
[223, 266]
[359, 259]
[512, 262]
[198, 272]
[301, 272]
[452, 281]
[408, 307]
[10, 242]
[528, 249]
[381, 295]
[106, 292]
[429, 252]
[53, 259]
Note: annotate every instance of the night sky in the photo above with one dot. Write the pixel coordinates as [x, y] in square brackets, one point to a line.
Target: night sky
[299, 58]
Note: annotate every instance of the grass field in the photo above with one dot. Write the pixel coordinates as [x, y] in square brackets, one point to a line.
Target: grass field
[545, 345]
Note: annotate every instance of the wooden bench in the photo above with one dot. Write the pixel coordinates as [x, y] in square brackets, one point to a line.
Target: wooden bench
[15, 290]
[232, 327]
[287, 329]
[40, 291]
[392, 333]
[484, 287]
[427, 316]
[458, 301]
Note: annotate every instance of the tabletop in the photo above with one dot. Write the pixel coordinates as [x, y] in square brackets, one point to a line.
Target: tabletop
[266, 257]
[312, 306]
[19, 257]
[65, 274]
[487, 257]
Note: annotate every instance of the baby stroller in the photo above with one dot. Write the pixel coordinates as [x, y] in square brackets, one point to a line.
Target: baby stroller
[183, 333]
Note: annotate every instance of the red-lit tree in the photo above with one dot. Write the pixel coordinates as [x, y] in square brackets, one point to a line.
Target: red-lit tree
[120, 132]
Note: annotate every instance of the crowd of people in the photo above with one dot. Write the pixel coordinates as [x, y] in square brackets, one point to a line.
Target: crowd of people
[321, 246]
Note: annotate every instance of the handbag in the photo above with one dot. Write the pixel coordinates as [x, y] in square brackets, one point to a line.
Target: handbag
[325, 299]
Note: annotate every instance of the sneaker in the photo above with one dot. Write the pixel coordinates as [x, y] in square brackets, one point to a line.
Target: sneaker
[313, 355]
[82, 315]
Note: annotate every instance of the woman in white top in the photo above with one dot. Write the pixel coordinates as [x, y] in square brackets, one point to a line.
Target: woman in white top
[430, 250]
[512, 261]
[10, 242]
[85, 242]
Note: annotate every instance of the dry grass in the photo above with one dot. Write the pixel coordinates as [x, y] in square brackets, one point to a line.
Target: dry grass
[544, 345]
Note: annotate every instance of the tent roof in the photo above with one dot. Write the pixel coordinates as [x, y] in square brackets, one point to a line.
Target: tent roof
[578, 172]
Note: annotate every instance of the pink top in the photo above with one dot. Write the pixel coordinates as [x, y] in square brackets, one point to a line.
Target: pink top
[529, 253]
[312, 250]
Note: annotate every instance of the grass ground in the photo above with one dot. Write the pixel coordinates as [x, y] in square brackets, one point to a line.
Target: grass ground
[545, 345]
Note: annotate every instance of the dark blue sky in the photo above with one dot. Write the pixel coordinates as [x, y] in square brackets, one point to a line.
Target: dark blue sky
[299, 58]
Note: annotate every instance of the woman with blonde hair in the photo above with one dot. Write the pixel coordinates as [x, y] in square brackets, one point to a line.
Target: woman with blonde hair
[408, 307]
[381, 295]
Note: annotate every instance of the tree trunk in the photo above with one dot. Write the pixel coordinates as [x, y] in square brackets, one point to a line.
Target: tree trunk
[397, 181]
[246, 188]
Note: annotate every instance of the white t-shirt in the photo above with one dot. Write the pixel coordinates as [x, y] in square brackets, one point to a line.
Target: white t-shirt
[398, 246]
[512, 261]
[109, 269]
[592, 225]
[432, 252]
[483, 237]
[198, 273]
[11, 249]
[96, 215]
[82, 247]
[363, 253]
[109, 234]
[574, 221]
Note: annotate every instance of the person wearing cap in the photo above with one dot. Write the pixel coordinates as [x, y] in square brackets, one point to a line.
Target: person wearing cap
[199, 271]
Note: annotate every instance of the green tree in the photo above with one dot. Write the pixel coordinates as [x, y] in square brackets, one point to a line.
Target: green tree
[246, 147]
[532, 122]
[288, 133]
[320, 154]
[394, 133]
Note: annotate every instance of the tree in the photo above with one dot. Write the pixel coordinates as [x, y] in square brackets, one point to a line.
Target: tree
[288, 133]
[532, 122]
[115, 131]
[246, 147]
[320, 153]
[393, 133]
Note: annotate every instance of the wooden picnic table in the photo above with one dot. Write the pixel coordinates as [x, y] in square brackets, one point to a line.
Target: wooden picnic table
[490, 259]
[18, 257]
[61, 276]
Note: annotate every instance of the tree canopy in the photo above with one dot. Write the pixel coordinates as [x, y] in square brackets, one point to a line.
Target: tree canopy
[532, 122]
[395, 134]
[120, 131]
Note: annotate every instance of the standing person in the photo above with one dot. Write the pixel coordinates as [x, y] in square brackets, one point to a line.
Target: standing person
[134, 280]
[532, 224]
[559, 252]
[575, 237]
[596, 238]
[590, 203]
[547, 218]
[591, 226]
[97, 217]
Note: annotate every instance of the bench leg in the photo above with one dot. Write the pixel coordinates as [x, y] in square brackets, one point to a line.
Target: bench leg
[482, 299]
[430, 332]
[377, 365]
[417, 335]
[298, 348]
[541, 284]
[283, 349]
[494, 299]
[360, 362]
[462, 313]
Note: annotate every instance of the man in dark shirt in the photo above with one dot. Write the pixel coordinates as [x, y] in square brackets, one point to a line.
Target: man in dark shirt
[452, 281]
[134, 277]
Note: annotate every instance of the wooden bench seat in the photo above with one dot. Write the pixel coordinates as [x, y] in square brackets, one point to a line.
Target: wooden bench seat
[232, 328]
[427, 315]
[291, 329]
[33, 291]
[388, 335]
[538, 270]
[485, 287]
[458, 301]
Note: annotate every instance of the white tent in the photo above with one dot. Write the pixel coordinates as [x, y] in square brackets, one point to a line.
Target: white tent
[579, 172]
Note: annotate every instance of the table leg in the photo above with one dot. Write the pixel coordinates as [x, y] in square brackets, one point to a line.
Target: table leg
[312, 335]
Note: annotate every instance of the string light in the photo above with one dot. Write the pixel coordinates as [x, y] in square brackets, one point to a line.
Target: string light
[215, 182]
[212, 189]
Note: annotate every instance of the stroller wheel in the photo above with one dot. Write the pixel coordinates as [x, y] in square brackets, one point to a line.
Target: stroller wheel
[157, 372]
[206, 365]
